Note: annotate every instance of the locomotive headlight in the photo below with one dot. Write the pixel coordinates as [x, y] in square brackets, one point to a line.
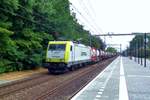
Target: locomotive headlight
[48, 60]
[61, 60]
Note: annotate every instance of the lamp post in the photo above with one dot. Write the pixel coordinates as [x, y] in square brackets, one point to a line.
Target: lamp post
[141, 50]
[135, 51]
[120, 48]
[145, 42]
[138, 46]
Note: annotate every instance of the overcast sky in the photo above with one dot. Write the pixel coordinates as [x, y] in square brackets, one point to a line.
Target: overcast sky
[118, 16]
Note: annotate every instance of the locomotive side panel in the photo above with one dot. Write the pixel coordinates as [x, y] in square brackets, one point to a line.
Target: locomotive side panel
[81, 52]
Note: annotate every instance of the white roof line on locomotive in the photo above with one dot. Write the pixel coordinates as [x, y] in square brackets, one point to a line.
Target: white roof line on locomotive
[80, 44]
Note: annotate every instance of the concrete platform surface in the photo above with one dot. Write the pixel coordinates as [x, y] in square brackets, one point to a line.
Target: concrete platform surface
[123, 79]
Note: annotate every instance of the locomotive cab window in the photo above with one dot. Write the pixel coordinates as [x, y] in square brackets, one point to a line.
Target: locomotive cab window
[57, 47]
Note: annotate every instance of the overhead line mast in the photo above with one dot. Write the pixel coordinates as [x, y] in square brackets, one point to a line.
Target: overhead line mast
[124, 34]
[144, 38]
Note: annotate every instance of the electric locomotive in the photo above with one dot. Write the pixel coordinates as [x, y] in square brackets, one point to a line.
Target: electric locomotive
[64, 55]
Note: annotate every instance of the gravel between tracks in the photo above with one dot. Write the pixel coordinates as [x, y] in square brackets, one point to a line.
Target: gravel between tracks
[52, 87]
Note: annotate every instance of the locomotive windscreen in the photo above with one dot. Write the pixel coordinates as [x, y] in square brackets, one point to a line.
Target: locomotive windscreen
[60, 47]
[56, 51]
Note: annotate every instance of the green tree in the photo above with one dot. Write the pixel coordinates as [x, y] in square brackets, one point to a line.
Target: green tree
[8, 47]
[26, 26]
[111, 49]
[136, 43]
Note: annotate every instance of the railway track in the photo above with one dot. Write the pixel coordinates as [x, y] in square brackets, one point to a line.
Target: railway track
[13, 87]
[59, 86]
[55, 93]
[47, 86]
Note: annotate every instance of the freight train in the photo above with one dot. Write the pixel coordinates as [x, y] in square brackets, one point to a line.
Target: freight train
[67, 55]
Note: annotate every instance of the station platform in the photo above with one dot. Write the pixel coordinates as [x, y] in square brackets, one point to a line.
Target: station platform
[123, 79]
